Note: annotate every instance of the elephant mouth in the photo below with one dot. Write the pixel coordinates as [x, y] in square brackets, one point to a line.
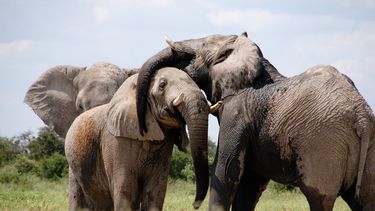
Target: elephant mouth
[172, 118]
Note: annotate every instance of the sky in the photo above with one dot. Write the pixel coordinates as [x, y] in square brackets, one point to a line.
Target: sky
[293, 35]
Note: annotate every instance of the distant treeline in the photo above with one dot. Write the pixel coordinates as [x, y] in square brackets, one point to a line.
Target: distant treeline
[43, 155]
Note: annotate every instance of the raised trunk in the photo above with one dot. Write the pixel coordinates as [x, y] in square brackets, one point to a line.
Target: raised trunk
[166, 57]
[195, 113]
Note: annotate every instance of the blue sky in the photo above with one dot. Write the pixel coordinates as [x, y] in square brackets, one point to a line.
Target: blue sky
[293, 34]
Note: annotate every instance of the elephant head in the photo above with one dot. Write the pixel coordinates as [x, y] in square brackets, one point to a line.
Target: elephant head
[173, 100]
[219, 64]
[61, 93]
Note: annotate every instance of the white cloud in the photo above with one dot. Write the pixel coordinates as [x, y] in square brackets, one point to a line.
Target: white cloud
[355, 3]
[104, 10]
[358, 69]
[102, 14]
[352, 51]
[260, 20]
[255, 19]
[15, 48]
[144, 3]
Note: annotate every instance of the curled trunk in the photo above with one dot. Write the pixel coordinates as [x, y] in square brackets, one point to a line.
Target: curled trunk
[166, 57]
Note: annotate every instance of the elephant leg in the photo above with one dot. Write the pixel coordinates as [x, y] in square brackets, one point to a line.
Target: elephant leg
[155, 178]
[321, 176]
[154, 194]
[249, 190]
[77, 199]
[229, 162]
[349, 197]
[126, 193]
[366, 199]
[367, 191]
[319, 202]
[154, 191]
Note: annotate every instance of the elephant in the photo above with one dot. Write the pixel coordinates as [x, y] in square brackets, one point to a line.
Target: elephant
[112, 166]
[62, 92]
[313, 130]
[256, 147]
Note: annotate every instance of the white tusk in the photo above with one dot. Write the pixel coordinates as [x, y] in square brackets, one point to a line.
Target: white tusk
[215, 107]
[170, 42]
[178, 100]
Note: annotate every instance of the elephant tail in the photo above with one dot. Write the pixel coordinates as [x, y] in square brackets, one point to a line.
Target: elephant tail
[366, 131]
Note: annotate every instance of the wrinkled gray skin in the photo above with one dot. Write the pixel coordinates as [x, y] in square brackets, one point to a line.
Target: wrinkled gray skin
[61, 93]
[313, 130]
[277, 141]
[113, 167]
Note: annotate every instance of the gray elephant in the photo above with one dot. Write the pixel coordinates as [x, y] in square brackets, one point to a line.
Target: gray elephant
[313, 130]
[113, 166]
[61, 93]
[324, 144]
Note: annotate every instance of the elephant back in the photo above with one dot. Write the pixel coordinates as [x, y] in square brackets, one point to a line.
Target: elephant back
[83, 135]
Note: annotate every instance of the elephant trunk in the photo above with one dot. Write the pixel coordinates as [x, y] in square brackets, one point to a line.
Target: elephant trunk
[195, 112]
[166, 57]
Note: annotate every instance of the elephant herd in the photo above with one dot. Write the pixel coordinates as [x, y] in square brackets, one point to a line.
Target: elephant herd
[313, 130]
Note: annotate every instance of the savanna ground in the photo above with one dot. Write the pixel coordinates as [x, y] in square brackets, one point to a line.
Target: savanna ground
[33, 176]
[33, 193]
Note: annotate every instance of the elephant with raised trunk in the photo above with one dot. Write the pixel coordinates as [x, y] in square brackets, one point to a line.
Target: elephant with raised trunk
[112, 166]
[262, 137]
[62, 92]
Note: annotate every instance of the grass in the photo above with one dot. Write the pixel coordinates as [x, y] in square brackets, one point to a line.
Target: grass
[180, 196]
[32, 193]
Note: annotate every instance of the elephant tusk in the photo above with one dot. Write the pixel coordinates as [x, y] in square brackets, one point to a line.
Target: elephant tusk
[215, 107]
[170, 42]
[178, 100]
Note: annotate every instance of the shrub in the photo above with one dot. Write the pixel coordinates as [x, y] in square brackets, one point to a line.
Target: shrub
[178, 163]
[188, 172]
[24, 164]
[6, 151]
[9, 174]
[46, 144]
[182, 163]
[53, 167]
[278, 187]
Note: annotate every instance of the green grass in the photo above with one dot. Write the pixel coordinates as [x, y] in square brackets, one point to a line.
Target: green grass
[32, 193]
[180, 196]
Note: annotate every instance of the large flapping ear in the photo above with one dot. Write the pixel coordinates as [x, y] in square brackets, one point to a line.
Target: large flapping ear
[52, 97]
[235, 66]
[122, 115]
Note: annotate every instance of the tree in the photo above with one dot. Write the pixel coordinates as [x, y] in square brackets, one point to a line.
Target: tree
[6, 150]
[182, 163]
[46, 144]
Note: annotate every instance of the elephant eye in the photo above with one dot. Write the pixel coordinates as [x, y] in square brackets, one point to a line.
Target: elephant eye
[162, 84]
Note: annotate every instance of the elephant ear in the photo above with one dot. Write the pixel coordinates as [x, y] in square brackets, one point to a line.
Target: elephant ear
[234, 66]
[122, 118]
[52, 97]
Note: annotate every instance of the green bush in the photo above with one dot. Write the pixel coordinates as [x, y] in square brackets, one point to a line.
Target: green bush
[6, 151]
[188, 172]
[182, 163]
[46, 144]
[278, 187]
[53, 167]
[178, 163]
[24, 164]
[9, 174]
